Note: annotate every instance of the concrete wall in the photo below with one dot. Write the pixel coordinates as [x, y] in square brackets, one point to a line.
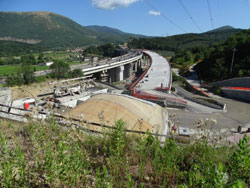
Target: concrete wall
[13, 117]
[5, 98]
[234, 82]
[187, 95]
[237, 94]
[73, 101]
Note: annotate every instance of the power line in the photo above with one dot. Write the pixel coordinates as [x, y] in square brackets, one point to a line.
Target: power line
[210, 13]
[164, 16]
[189, 15]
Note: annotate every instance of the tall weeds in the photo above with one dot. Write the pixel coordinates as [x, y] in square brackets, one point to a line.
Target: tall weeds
[49, 155]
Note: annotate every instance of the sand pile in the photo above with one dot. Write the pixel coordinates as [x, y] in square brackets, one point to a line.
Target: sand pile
[107, 109]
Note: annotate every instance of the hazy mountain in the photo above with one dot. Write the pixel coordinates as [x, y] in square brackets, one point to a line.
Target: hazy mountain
[105, 33]
[226, 28]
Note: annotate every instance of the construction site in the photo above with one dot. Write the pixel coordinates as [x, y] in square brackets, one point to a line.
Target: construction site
[146, 103]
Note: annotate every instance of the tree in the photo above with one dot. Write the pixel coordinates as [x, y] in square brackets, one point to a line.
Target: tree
[76, 73]
[59, 69]
[240, 73]
[27, 72]
[13, 80]
[108, 50]
[40, 58]
[188, 56]
[28, 59]
[2, 62]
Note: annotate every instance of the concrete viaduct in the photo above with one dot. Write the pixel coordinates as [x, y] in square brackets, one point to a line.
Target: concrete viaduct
[112, 69]
[116, 69]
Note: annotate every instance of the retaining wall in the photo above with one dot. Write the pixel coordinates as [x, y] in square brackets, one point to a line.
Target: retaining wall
[234, 82]
[187, 95]
[243, 95]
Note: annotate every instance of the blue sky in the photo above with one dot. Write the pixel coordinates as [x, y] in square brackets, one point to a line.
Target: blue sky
[148, 17]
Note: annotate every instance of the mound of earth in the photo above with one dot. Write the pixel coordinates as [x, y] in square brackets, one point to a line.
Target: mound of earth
[109, 108]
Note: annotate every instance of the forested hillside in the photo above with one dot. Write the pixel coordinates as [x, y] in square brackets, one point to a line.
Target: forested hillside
[50, 29]
[39, 31]
[185, 41]
[217, 64]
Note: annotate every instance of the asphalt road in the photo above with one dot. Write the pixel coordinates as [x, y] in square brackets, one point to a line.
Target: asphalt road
[237, 113]
[189, 119]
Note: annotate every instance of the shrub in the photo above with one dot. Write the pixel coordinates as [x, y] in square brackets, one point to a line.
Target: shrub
[239, 163]
[13, 80]
[47, 155]
[59, 69]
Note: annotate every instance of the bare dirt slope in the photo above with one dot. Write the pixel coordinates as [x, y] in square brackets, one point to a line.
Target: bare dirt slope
[107, 109]
[35, 89]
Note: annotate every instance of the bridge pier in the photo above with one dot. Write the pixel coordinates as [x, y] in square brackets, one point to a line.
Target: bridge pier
[120, 72]
[111, 75]
[139, 63]
[104, 76]
[135, 66]
[145, 62]
[128, 70]
[116, 74]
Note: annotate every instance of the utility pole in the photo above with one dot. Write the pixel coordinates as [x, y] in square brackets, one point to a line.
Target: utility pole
[234, 50]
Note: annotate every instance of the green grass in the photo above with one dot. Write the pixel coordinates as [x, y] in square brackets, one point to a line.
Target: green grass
[58, 55]
[39, 68]
[9, 69]
[74, 63]
[45, 155]
[13, 69]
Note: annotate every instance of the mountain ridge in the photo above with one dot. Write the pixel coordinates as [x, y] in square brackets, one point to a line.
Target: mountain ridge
[53, 31]
[222, 28]
[184, 41]
[43, 30]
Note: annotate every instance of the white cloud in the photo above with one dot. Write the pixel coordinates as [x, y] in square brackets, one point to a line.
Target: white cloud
[112, 4]
[155, 13]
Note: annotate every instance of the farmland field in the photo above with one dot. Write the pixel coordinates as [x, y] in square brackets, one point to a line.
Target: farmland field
[13, 69]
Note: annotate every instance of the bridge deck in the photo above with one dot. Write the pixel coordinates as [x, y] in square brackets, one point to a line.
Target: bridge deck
[159, 74]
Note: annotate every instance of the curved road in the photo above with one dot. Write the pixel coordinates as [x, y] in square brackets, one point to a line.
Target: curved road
[159, 74]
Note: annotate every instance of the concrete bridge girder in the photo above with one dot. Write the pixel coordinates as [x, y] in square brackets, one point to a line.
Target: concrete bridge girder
[116, 71]
[92, 70]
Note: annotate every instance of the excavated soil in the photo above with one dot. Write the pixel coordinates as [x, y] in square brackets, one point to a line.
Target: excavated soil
[107, 109]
